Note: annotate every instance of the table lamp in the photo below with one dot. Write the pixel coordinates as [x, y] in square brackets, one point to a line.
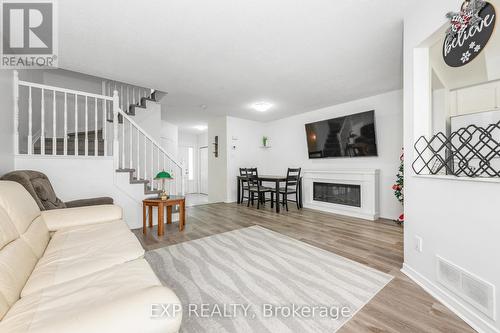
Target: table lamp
[163, 175]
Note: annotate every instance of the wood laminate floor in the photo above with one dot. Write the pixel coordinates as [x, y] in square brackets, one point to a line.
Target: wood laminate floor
[402, 306]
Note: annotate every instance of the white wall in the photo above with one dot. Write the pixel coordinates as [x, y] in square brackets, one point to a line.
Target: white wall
[170, 138]
[289, 144]
[440, 114]
[217, 166]
[457, 220]
[203, 139]
[187, 139]
[64, 79]
[6, 122]
[244, 151]
[73, 80]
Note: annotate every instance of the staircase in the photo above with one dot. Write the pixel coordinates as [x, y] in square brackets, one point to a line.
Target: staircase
[332, 145]
[134, 180]
[77, 124]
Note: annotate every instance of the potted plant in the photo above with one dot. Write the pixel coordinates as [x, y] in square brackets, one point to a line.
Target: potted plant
[264, 141]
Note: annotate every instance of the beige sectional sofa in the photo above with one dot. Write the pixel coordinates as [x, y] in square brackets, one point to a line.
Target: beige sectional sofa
[74, 270]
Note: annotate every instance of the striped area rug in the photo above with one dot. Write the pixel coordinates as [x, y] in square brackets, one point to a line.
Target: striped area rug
[257, 280]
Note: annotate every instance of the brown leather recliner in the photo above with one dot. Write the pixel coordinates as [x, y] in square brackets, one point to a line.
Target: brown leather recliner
[40, 188]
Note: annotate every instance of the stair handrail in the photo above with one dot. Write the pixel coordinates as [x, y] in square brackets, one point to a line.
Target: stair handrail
[63, 90]
[118, 111]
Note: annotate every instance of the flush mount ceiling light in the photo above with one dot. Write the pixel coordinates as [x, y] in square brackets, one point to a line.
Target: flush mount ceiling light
[200, 127]
[262, 106]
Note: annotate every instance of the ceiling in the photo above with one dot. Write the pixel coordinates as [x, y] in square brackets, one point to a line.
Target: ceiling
[228, 54]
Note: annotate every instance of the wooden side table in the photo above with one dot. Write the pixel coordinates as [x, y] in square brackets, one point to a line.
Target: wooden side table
[161, 204]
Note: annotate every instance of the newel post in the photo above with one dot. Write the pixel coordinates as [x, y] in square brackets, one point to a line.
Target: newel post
[16, 111]
[116, 143]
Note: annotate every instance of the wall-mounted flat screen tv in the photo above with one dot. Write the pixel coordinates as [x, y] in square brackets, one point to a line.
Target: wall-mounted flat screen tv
[348, 136]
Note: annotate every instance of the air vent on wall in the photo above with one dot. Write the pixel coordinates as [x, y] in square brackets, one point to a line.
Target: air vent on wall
[475, 291]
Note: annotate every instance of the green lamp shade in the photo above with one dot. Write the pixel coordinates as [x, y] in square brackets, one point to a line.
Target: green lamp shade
[164, 175]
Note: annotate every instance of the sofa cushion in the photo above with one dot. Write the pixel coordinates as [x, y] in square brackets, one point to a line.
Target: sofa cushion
[72, 217]
[8, 231]
[4, 306]
[37, 237]
[45, 191]
[27, 178]
[22, 241]
[17, 261]
[18, 204]
[24, 177]
[20, 216]
[114, 300]
[80, 251]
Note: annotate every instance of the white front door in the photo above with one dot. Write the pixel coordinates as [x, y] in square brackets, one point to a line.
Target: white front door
[188, 162]
[204, 170]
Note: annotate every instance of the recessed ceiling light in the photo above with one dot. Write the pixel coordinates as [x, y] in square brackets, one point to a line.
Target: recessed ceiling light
[200, 127]
[262, 106]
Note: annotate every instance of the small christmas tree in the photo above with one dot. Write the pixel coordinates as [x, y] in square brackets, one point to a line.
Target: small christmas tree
[398, 187]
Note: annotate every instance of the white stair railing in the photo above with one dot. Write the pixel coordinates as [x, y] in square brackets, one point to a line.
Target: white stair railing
[136, 150]
[130, 94]
[49, 115]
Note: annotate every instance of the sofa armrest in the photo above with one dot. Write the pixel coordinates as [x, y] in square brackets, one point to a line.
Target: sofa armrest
[89, 202]
[131, 313]
[72, 217]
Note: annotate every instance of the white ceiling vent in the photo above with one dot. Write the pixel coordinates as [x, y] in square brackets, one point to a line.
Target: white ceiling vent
[475, 291]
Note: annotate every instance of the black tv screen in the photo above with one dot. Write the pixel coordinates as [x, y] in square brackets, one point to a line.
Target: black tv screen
[349, 136]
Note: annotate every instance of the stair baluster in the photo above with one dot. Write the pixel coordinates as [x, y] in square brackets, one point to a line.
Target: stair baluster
[152, 166]
[130, 146]
[86, 126]
[54, 124]
[16, 111]
[138, 153]
[158, 158]
[30, 121]
[77, 153]
[96, 141]
[123, 144]
[105, 125]
[116, 143]
[145, 159]
[128, 100]
[42, 124]
[65, 138]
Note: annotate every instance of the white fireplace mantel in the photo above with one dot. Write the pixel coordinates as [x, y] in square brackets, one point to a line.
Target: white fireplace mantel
[367, 179]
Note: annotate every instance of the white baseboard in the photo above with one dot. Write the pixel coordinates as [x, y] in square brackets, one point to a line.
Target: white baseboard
[455, 304]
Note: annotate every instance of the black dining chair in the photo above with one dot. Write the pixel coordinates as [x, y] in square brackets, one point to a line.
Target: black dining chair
[244, 185]
[253, 175]
[291, 187]
[257, 191]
